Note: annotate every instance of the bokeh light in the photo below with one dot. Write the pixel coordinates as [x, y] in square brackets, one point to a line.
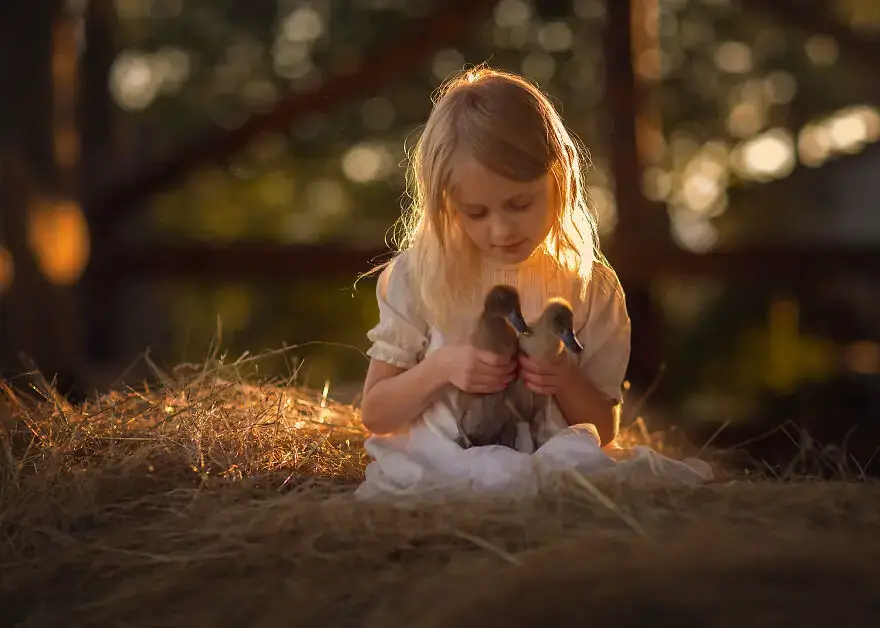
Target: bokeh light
[770, 155]
[7, 269]
[734, 57]
[59, 238]
[366, 162]
[134, 82]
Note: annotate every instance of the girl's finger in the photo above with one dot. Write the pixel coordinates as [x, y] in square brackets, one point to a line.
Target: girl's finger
[490, 380]
[534, 378]
[545, 382]
[527, 362]
[492, 359]
[537, 369]
[541, 390]
[485, 387]
[495, 371]
[534, 364]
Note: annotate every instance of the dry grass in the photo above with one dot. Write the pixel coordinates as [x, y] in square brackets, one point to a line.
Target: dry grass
[205, 501]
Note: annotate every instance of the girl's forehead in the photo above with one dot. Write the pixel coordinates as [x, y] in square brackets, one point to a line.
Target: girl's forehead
[470, 179]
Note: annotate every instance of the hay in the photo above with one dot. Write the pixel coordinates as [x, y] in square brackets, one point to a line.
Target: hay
[208, 501]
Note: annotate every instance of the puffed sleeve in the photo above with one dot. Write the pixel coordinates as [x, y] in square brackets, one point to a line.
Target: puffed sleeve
[605, 333]
[401, 336]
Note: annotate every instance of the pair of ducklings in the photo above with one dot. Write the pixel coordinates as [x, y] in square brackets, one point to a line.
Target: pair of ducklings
[498, 418]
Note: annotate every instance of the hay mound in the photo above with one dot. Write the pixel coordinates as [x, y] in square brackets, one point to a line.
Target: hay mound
[205, 501]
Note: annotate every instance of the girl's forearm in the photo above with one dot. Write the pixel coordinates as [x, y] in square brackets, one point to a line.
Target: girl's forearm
[581, 402]
[395, 401]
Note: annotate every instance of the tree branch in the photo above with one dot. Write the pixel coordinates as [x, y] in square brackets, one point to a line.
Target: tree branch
[377, 70]
[284, 262]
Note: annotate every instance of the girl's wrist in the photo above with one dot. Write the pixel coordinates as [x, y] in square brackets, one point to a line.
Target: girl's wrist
[437, 365]
[570, 377]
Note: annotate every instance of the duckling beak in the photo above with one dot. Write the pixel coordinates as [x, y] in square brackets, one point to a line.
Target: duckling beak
[571, 342]
[519, 324]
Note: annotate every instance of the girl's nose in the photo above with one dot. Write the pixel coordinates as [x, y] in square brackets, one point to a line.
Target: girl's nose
[502, 231]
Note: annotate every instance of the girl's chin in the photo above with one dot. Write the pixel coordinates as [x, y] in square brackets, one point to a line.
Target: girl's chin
[512, 255]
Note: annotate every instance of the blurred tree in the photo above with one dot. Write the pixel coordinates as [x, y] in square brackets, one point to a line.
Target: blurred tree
[44, 239]
[733, 100]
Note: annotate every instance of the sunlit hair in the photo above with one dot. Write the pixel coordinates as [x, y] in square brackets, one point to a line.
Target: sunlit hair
[508, 125]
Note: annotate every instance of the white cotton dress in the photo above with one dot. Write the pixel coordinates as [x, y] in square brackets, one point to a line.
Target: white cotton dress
[422, 458]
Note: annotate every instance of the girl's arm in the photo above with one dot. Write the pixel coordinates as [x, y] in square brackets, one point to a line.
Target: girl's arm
[399, 385]
[394, 396]
[581, 402]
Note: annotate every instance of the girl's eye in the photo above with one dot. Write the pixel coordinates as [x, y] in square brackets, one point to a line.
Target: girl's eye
[475, 215]
[521, 205]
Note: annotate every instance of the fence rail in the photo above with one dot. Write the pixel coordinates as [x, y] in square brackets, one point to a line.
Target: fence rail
[259, 260]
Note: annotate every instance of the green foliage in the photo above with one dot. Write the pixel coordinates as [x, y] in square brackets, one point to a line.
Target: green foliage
[323, 322]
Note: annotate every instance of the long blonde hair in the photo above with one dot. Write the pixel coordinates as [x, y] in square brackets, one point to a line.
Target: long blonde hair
[507, 124]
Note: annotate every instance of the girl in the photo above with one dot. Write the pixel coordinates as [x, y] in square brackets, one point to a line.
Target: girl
[498, 196]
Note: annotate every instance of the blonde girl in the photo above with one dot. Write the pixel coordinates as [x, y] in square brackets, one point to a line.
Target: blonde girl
[497, 196]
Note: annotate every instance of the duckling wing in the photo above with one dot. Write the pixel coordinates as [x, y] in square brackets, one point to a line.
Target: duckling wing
[525, 403]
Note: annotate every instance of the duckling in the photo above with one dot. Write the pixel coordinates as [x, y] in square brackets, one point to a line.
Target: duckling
[546, 339]
[487, 419]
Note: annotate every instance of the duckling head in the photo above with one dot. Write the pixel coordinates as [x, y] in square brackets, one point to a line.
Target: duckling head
[559, 317]
[503, 302]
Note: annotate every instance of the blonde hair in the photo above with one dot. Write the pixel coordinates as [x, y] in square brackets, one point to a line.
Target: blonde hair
[507, 124]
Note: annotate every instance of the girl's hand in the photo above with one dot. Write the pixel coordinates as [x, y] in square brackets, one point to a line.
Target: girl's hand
[475, 371]
[545, 378]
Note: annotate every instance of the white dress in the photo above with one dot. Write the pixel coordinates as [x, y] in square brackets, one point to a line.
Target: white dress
[422, 457]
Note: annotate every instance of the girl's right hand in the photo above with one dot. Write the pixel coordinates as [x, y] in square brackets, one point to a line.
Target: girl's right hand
[476, 371]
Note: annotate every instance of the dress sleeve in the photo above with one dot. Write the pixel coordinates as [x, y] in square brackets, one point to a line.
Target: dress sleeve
[605, 333]
[401, 336]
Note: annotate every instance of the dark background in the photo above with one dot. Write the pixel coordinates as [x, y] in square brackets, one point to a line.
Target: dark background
[168, 163]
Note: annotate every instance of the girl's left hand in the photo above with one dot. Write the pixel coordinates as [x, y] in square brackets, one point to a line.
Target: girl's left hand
[545, 378]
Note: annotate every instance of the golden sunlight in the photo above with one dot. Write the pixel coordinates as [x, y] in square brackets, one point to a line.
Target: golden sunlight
[324, 393]
[59, 238]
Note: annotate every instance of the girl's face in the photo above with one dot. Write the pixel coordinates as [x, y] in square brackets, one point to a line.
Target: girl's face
[506, 220]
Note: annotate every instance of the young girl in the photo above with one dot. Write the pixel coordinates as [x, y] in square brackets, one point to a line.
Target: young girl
[498, 196]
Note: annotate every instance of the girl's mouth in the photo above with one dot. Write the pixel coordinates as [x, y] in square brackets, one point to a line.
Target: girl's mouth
[510, 248]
